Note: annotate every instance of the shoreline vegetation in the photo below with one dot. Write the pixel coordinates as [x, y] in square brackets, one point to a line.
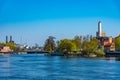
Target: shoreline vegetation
[79, 46]
[83, 46]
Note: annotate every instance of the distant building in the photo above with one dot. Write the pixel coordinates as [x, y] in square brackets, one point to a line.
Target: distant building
[10, 41]
[6, 39]
[99, 28]
[107, 43]
[99, 33]
[103, 34]
[5, 49]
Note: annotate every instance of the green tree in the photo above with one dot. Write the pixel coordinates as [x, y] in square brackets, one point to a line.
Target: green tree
[89, 45]
[77, 40]
[50, 44]
[117, 43]
[66, 45]
[85, 45]
[2, 44]
[11, 45]
[99, 52]
[93, 44]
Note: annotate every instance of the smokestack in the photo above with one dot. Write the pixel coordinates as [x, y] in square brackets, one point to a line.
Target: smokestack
[6, 39]
[10, 38]
[99, 28]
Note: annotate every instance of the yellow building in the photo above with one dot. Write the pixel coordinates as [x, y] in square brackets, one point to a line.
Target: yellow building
[103, 34]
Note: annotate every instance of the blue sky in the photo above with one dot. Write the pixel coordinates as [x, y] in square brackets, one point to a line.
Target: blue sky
[32, 21]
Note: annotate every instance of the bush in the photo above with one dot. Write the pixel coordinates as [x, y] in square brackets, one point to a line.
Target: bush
[99, 52]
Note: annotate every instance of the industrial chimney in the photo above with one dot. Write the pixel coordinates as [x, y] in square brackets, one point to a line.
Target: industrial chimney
[10, 38]
[99, 28]
[6, 39]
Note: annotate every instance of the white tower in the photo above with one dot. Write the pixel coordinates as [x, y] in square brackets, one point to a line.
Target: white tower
[99, 28]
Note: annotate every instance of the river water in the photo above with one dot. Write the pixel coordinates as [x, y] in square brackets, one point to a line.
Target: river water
[40, 67]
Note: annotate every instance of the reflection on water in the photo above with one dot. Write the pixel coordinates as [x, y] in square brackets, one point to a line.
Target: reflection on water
[39, 67]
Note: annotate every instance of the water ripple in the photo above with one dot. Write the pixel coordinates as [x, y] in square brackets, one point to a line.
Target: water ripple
[37, 67]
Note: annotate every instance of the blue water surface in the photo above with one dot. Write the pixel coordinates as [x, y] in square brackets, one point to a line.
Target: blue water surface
[40, 67]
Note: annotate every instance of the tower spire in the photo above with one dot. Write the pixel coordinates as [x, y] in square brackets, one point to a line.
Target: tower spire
[99, 28]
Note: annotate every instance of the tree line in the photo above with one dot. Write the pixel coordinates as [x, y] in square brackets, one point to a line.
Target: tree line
[85, 45]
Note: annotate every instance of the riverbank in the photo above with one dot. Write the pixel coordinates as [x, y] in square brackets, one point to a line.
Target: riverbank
[73, 54]
[24, 52]
[90, 55]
